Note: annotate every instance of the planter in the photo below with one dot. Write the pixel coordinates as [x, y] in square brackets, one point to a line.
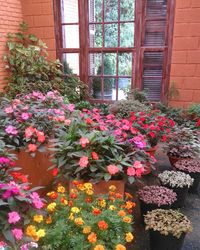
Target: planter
[174, 159]
[196, 176]
[107, 95]
[102, 187]
[147, 168]
[36, 168]
[169, 242]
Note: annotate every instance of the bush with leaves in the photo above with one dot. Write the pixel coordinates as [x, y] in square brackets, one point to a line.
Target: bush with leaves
[30, 69]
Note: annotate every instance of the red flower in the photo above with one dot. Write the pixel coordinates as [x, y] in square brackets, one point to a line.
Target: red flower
[32, 147]
[198, 123]
[55, 172]
[102, 225]
[96, 211]
[84, 141]
[40, 136]
[152, 134]
[94, 156]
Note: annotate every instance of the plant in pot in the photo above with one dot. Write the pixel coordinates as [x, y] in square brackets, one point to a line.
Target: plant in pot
[182, 143]
[153, 197]
[80, 219]
[179, 182]
[191, 167]
[167, 229]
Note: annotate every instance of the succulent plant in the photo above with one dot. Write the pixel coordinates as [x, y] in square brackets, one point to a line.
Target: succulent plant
[167, 222]
[157, 195]
[188, 165]
[175, 179]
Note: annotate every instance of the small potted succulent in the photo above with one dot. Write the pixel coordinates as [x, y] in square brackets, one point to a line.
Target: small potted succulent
[153, 197]
[167, 229]
[179, 182]
[191, 167]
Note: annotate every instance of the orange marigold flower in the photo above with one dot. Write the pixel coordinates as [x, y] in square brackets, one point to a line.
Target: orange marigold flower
[120, 247]
[127, 219]
[96, 211]
[63, 200]
[129, 205]
[70, 203]
[129, 237]
[112, 188]
[118, 196]
[87, 230]
[121, 213]
[79, 221]
[73, 196]
[53, 195]
[129, 196]
[75, 183]
[102, 225]
[60, 189]
[99, 247]
[92, 238]
[88, 199]
[48, 220]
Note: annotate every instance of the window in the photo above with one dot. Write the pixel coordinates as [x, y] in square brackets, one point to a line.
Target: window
[114, 45]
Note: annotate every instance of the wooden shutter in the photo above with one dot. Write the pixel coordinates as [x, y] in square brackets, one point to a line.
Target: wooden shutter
[155, 47]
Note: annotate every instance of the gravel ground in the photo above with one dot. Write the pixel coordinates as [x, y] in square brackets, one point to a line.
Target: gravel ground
[191, 209]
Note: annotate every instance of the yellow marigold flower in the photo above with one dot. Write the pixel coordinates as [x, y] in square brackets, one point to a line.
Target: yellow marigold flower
[71, 216]
[75, 210]
[87, 230]
[88, 185]
[51, 207]
[120, 247]
[102, 203]
[48, 220]
[112, 207]
[121, 213]
[41, 233]
[127, 219]
[129, 237]
[31, 231]
[81, 187]
[92, 238]
[89, 192]
[60, 189]
[79, 221]
[38, 218]
[112, 188]
[99, 247]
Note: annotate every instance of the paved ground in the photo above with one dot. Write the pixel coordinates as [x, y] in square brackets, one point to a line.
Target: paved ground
[192, 210]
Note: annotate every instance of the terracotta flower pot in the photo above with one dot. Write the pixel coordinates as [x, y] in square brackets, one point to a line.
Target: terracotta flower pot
[174, 159]
[36, 168]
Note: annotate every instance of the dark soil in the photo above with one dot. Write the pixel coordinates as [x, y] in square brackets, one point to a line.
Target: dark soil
[191, 209]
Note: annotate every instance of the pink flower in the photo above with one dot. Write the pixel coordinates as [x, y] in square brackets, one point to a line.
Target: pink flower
[13, 217]
[83, 162]
[67, 122]
[3, 244]
[29, 132]
[11, 130]
[25, 116]
[137, 164]
[94, 156]
[112, 169]
[84, 141]
[37, 202]
[71, 107]
[130, 171]
[139, 172]
[17, 233]
[8, 110]
[32, 147]
[40, 136]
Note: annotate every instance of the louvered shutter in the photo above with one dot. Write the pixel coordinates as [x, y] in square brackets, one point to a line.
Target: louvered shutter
[154, 47]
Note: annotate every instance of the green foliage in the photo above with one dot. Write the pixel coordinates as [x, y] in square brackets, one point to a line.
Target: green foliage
[30, 69]
[139, 95]
[194, 110]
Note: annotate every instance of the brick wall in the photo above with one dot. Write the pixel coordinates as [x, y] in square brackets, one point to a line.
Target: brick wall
[185, 71]
[10, 17]
[40, 18]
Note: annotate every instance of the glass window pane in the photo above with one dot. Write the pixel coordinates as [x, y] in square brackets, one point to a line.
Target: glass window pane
[127, 10]
[111, 35]
[71, 36]
[69, 11]
[124, 85]
[127, 35]
[125, 64]
[95, 64]
[96, 38]
[95, 10]
[96, 83]
[71, 63]
[110, 61]
[109, 85]
[111, 10]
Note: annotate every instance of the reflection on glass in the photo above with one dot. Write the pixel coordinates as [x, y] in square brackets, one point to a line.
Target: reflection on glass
[69, 11]
[95, 10]
[109, 87]
[124, 85]
[110, 61]
[96, 38]
[111, 35]
[71, 36]
[127, 10]
[95, 64]
[127, 35]
[111, 10]
[71, 63]
[96, 83]
[125, 64]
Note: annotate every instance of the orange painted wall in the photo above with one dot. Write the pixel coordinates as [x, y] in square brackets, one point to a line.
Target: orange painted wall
[10, 17]
[185, 70]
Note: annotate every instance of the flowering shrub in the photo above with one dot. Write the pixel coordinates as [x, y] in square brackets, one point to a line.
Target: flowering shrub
[168, 222]
[188, 165]
[95, 222]
[83, 151]
[175, 179]
[30, 120]
[157, 195]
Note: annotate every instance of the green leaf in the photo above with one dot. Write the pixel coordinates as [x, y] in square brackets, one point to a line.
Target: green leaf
[107, 177]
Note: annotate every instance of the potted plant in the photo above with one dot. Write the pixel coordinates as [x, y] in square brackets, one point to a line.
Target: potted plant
[179, 182]
[98, 222]
[191, 167]
[167, 229]
[182, 143]
[153, 197]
